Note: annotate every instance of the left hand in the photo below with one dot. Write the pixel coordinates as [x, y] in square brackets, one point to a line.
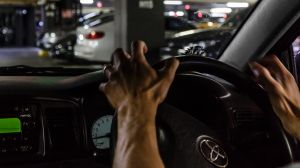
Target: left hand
[283, 91]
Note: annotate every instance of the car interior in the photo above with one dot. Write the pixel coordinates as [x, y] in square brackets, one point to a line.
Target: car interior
[58, 118]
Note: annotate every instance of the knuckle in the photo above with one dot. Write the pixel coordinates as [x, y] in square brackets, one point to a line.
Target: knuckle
[289, 76]
[137, 43]
[265, 71]
[276, 88]
[118, 51]
[167, 79]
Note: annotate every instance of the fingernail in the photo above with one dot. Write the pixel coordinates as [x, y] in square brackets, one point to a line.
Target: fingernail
[254, 70]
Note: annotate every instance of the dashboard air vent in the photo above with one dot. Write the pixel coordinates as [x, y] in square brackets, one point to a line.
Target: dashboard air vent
[247, 118]
[63, 127]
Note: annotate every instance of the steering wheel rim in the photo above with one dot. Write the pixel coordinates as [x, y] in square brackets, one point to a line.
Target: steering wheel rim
[219, 69]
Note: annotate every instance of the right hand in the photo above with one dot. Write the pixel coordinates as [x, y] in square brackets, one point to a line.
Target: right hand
[134, 84]
[283, 91]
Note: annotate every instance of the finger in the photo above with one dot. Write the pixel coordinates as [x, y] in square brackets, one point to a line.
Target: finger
[278, 70]
[278, 64]
[138, 51]
[120, 58]
[109, 70]
[282, 107]
[169, 70]
[166, 78]
[264, 76]
[274, 65]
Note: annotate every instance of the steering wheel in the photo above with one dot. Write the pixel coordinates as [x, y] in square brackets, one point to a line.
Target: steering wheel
[186, 141]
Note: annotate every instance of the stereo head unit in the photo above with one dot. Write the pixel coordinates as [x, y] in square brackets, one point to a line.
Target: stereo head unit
[19, 129]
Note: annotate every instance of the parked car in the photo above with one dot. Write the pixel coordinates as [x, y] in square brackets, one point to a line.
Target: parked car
[94, 37]
[211, 40]
[49, 40]
[63, 48]
[52, 37]
[97, 36]
[208, 25]
[6, 36]
[175, 25]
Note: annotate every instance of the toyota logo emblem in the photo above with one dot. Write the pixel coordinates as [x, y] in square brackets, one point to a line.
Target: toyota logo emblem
[212, 151]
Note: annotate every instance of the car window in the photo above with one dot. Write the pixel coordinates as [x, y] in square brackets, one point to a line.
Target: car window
[215, 25]
[296, 54]
[177, 24]
[296, 46]
[83, 33]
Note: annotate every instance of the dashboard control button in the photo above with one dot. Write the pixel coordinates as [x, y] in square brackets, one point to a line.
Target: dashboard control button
[26, 109]
[25, 124]
[17, 108]
[3, 150]
[25, 148]
[3, 139]
[25, 139]
[15, 149]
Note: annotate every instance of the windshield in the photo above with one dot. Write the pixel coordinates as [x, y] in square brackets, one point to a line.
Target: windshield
[84, 33]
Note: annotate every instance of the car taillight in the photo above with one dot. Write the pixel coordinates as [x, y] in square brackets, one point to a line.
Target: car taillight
[94, 35]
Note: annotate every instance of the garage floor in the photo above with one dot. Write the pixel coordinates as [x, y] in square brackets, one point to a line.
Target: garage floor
[30, 57]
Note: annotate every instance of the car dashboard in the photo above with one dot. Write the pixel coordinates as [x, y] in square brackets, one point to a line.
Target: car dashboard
[64, 121]
[39, 129]
[50, 121]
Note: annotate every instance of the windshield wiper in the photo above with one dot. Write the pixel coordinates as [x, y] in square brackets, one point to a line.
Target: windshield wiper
[25, 70]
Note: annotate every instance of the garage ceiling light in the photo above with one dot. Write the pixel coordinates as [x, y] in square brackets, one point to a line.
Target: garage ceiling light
[86, 1]
[179, 13]
[221, 10]
[237, 4]
[173, 2]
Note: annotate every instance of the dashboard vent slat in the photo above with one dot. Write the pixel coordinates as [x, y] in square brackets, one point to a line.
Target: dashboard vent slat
[62, 128]
[247, 118]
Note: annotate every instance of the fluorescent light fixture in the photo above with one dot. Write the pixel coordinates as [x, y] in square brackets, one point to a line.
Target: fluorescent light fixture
[221, 10]
[237, 4]
[179, 13]
[173, 2]
[172, 13]
[86, 1]
[221, 15]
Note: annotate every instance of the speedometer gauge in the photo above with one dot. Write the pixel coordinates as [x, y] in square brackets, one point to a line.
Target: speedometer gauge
[101, 132]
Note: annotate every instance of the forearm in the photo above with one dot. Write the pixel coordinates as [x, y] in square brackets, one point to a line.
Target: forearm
[137, 142]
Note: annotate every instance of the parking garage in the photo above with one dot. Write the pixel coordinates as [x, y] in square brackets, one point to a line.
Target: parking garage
[43, 33]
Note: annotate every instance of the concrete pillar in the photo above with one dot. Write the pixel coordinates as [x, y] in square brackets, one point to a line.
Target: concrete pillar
[19, 32]
[30, 27]
[139, 20]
